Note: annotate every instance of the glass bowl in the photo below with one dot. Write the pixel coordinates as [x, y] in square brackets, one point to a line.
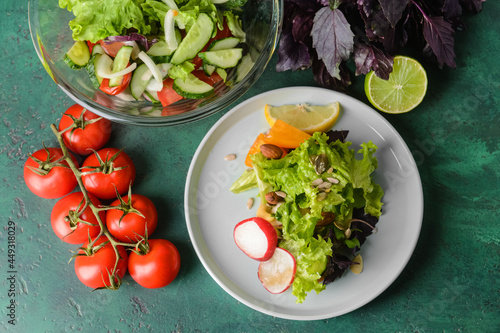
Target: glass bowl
[51, 35]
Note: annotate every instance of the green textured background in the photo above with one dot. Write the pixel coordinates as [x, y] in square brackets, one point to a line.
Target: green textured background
[451, 283]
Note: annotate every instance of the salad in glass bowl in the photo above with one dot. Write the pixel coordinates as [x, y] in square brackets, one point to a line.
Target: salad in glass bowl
[136, 60]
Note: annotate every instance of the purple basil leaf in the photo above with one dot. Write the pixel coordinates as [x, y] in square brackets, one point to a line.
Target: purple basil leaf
[324, 79]
[451, 9]
[474, 6]
[393, 10]
[394, 39]
[439, 34]
[302, 26]
[292, 55]
[376, 24]
[311, 5]
[332, 38]
[368, 57]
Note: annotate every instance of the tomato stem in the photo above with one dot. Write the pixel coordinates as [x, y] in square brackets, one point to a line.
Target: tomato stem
[115, 281]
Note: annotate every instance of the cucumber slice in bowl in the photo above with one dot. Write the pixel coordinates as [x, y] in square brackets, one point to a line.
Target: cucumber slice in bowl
[222, 58]
[192, 87]
[224, 44]
[77, 56]
[120, 63]
[195, 40]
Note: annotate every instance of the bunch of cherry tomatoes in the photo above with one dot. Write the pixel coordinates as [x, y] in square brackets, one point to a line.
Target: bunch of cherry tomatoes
[114, 238]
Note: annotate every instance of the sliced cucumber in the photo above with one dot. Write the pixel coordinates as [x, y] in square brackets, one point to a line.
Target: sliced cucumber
[161, 59]
[222, 73]
[197, 37]
[244, 67]
[222, 58]
[78, 55]
[140, 79]
[120, 62]
[224, 43]
[208, 69]
[159, 48]
[192, 87]
[91, 70]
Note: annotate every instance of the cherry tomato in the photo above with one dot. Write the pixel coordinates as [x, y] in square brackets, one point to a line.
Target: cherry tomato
[47, 175]
[114, 168]
[132, 226]
[94, 270]
[158, 267]
[71, 228]
[86, 134]
[117, 89]
[111, 48]
[168, 95]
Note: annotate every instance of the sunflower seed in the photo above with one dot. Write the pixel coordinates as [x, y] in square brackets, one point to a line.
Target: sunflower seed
[230, 157]
[250, 203]
[325, 185]
[317, 182]
[321, 196]
[280, 194]
[333, 180]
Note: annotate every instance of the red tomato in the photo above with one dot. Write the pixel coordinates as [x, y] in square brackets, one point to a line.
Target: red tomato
[116, 170]
[94, 271]
[211, 80]
[47, 176]
[112, 48]
[132, 226]
[158, 267]
[84, 135]
[168, 95]
[117, 89]
[71, 228]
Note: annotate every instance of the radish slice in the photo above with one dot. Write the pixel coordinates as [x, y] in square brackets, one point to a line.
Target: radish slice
[256, 237]
[277, 273]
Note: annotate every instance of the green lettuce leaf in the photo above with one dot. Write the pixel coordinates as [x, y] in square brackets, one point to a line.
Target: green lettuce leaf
[247, 181]
[312, 256]
[97, 19]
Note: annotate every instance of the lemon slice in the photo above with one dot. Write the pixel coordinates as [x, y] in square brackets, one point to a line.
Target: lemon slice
[306, 117]
[404, 90]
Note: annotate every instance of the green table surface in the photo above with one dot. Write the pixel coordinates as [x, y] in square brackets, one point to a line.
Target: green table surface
[451, 283]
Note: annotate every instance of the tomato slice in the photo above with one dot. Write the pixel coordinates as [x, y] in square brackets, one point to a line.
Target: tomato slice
[168, 95]
[117, 89]
[111, 48]
[211, 80]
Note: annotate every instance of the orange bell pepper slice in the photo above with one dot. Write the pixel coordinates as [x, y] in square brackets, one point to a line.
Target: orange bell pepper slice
[254, 149]
[285, 136]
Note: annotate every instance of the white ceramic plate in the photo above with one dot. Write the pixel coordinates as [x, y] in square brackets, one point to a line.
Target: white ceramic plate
[212, 210]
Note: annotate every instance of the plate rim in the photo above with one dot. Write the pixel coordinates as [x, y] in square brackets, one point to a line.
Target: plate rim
[201, 256]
